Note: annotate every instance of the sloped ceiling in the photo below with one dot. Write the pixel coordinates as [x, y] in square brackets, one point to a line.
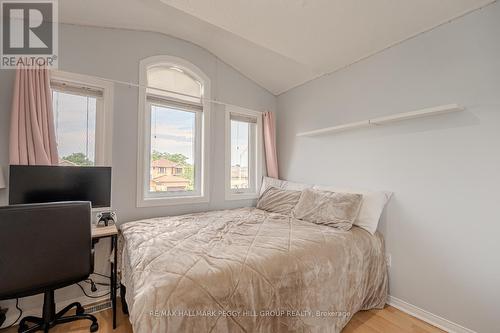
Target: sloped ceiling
[279, 44]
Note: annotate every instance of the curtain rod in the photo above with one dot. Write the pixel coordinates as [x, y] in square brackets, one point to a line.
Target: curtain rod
[131, 84]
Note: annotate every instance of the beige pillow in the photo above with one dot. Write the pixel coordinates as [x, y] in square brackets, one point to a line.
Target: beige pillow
[278, 201]
[334, 209]
[371, 208]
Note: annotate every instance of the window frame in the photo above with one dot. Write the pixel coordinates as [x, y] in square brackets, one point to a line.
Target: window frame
[104, 110]
[197, 152]
[202, 138]
[256, 155]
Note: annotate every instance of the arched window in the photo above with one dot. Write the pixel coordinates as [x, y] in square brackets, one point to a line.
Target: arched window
[175, 79]
[172, 135]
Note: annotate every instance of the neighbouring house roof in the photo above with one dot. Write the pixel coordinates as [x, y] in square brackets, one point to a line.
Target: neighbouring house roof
[66, 163]
[164, 163]
[170, 179]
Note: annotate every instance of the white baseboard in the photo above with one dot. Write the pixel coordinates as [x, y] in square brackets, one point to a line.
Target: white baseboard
[426, 316]
[83, 300]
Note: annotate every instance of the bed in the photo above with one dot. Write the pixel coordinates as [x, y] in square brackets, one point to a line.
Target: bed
[248, 270]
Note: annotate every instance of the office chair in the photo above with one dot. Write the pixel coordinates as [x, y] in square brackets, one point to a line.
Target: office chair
[44, 247]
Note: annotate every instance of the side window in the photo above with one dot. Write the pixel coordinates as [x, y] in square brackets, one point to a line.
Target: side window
[82, 109]
[243, 153]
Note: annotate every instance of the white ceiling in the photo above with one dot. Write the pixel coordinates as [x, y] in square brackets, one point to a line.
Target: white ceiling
[279, 44]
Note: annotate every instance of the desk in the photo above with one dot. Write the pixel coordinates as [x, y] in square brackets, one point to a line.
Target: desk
[112, 232]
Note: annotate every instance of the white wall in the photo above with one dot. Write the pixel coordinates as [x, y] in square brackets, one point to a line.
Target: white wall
[115, 54]
[441, 227]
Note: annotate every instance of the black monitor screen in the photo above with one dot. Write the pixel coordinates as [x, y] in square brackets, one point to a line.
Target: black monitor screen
[39, 184]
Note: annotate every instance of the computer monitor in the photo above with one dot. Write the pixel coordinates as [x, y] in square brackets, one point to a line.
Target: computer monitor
[41, 184]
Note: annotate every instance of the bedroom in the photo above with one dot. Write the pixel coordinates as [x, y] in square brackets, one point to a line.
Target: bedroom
[181, 108]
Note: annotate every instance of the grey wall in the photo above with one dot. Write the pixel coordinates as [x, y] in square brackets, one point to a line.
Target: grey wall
[115, 54]
[442, 225]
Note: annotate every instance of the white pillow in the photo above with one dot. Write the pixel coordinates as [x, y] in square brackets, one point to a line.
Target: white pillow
[371, 208]
[268, 182]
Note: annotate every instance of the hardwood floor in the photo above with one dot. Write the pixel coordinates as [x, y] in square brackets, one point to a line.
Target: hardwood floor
[388, 320]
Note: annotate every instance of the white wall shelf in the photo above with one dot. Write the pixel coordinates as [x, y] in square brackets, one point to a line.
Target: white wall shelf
[434, 111]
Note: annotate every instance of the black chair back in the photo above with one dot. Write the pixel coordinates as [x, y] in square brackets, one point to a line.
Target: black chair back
[44, 246]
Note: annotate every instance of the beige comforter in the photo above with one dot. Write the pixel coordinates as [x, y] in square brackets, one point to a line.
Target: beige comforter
[247, 270]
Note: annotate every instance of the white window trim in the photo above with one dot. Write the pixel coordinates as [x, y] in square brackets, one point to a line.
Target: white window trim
[258, 160]
[104, 112]
[144, 136]
[198, 142]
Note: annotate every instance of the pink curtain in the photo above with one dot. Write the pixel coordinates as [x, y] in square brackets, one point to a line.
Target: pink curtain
[32, 135]
[270, 144]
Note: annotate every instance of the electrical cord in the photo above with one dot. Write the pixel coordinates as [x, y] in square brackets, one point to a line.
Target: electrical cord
[97, 283]
[18, 317]
[108, 277]
[94, 287]
[90, 281]
[91, 296]
[83, 290]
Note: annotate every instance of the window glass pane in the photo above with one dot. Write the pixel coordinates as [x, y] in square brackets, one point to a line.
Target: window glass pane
[75, 121]
[240, 154]
[173, 79]
[172, 150]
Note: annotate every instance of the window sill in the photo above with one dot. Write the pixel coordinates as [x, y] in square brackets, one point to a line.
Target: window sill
[158, 202]
[241, 196]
